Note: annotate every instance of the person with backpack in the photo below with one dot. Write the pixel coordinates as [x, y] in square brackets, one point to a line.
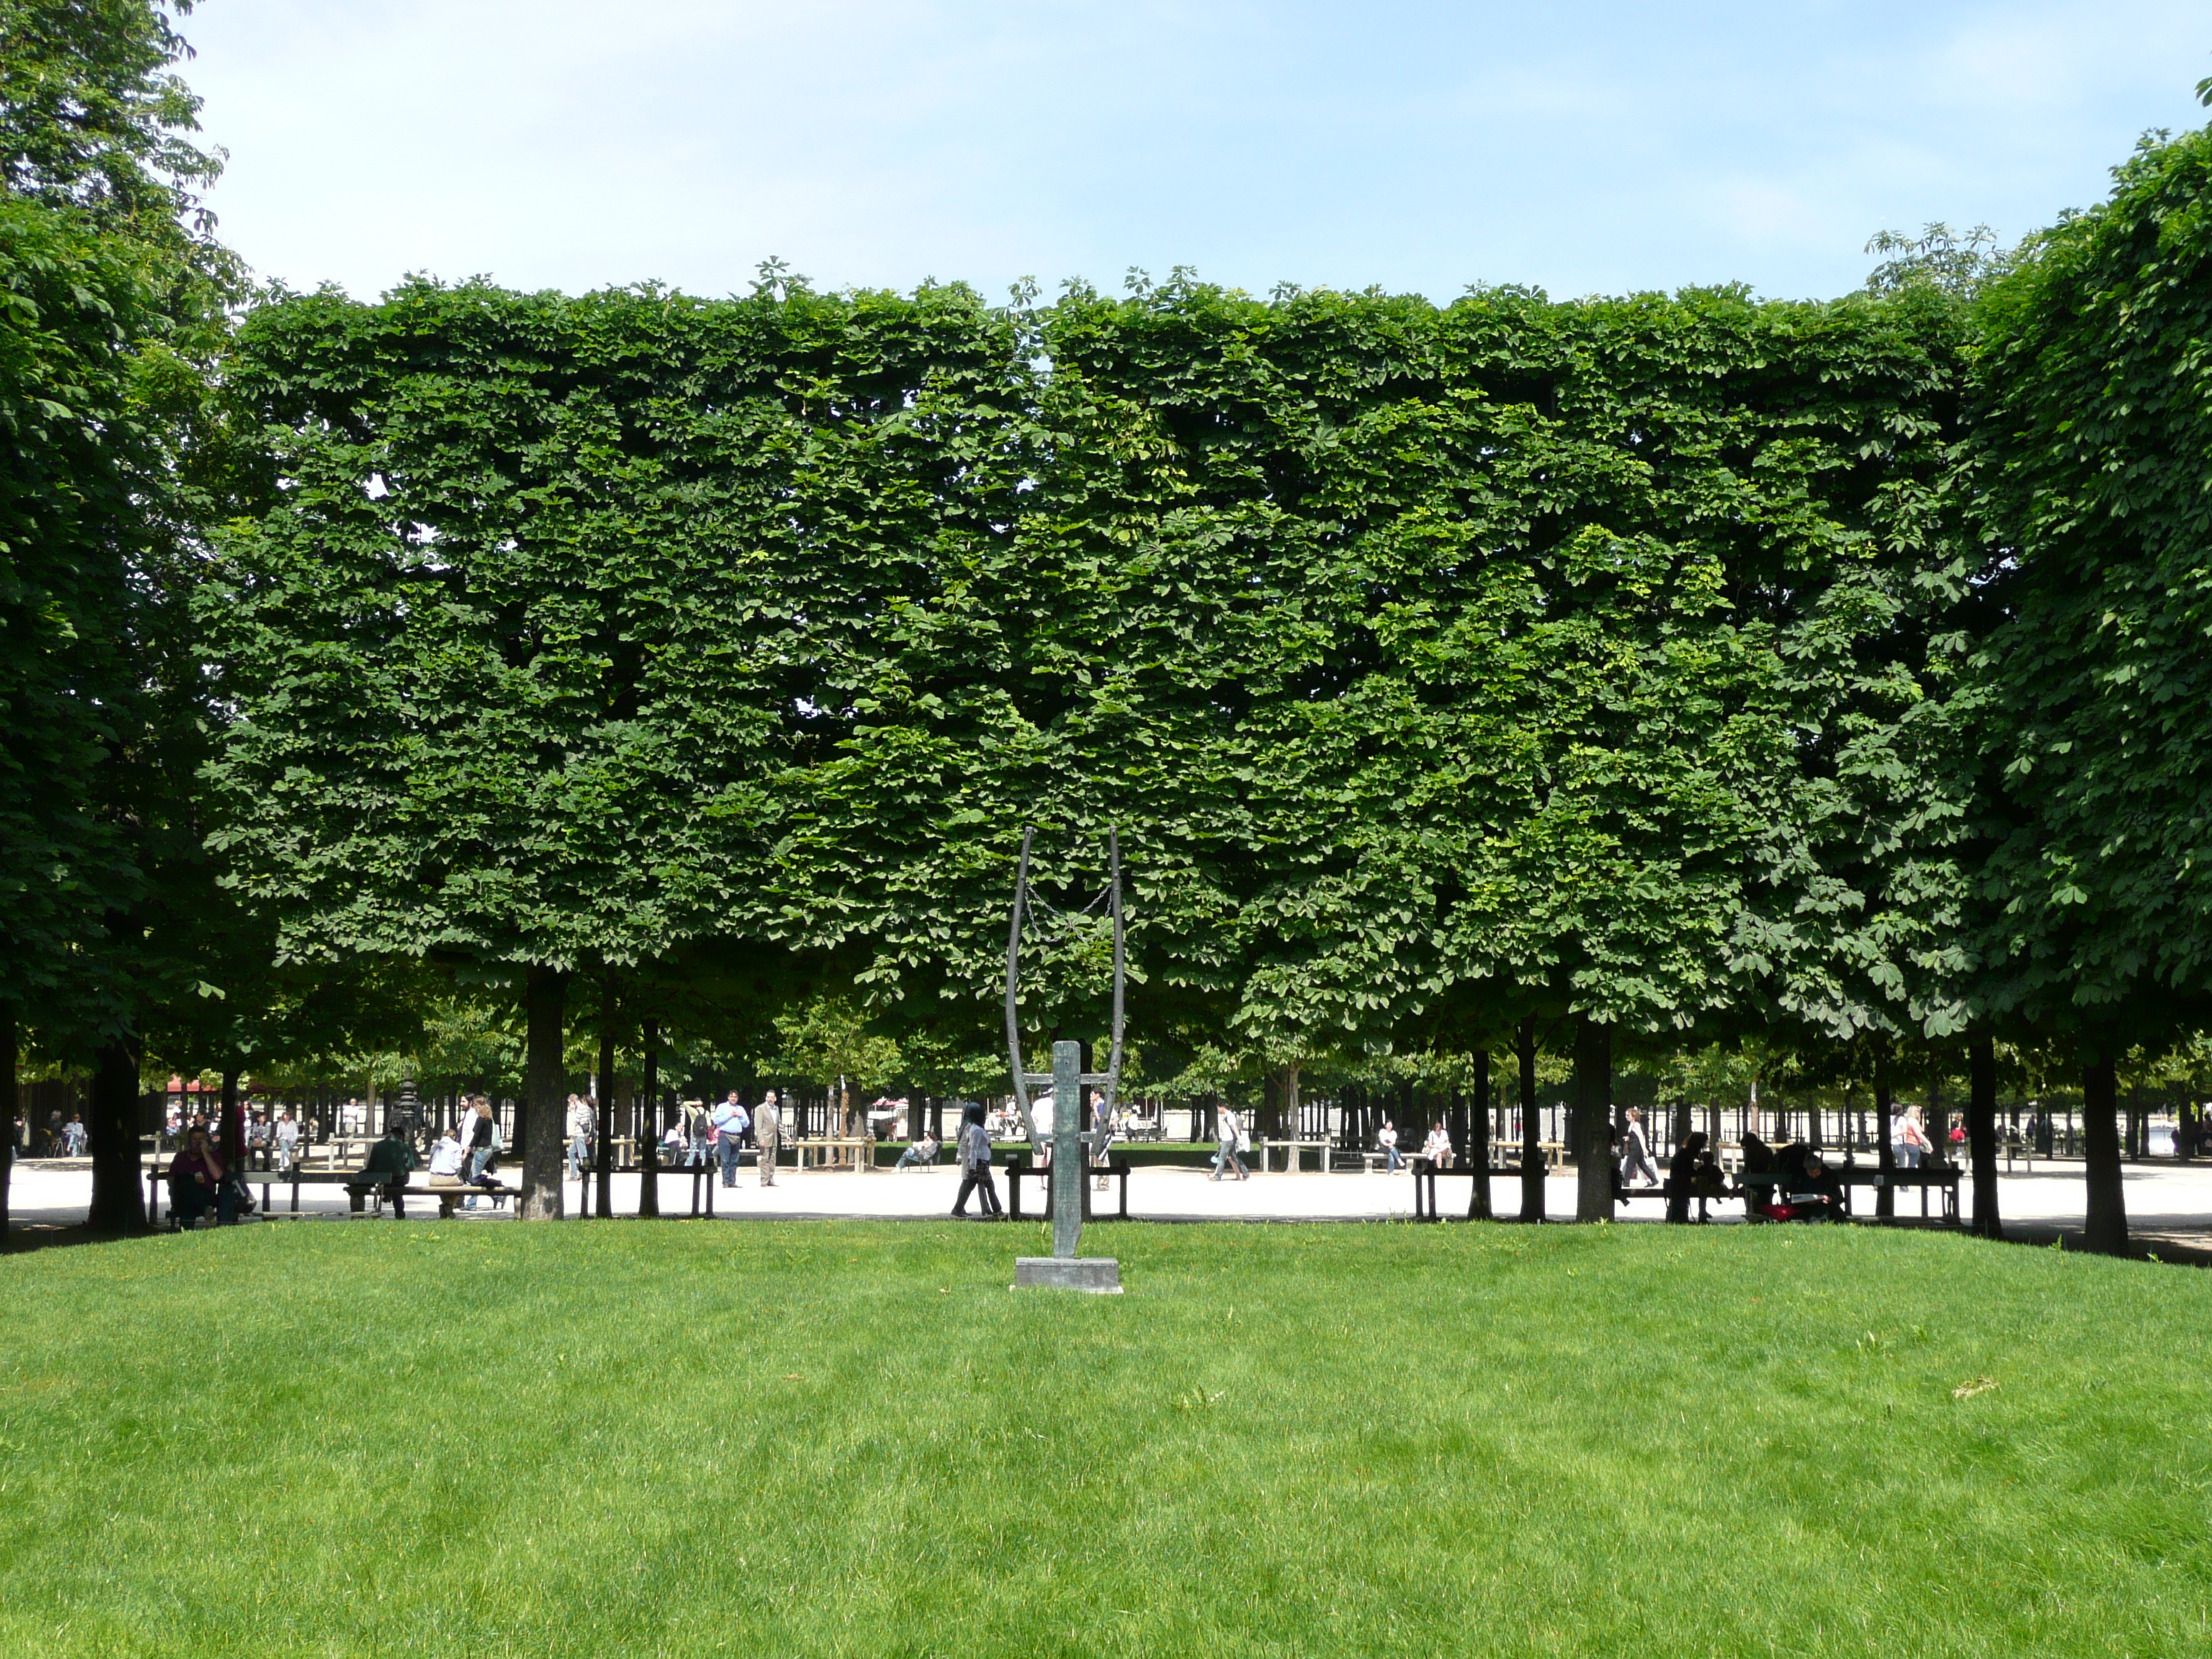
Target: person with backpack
[1229, 1139]
[698, 1138]
[975, 1167]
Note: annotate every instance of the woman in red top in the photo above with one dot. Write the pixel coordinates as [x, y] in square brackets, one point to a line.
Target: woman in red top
[196, 1184]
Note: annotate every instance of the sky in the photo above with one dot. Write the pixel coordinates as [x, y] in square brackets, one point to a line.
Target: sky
[1577, 147]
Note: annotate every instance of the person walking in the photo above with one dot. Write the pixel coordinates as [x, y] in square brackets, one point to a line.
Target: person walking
[1101, 1136]
[1229, 1137]
[1909, 1145]
[768, 1130]
[975, 1166]
[581, 1126]
[1636, 1151]
[730, 1122]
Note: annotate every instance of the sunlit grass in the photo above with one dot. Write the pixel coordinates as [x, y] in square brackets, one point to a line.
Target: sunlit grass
[852, 1438]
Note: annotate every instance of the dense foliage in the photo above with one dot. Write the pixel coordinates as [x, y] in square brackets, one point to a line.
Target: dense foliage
[2093, 448]
[1512, 655]
[1673, 671]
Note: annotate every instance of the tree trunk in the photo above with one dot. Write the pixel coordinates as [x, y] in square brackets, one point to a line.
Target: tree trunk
[233, 1122]
[1477, 1137]
[7, 1091]
[545, 998]
[648, 1157]
[1532, 1128]
[1594, 1116]
[605, 1164]
[1282, 1091]
[2107, 1229]
[1982, 1132]
[1885, 1195]
[119, 1193]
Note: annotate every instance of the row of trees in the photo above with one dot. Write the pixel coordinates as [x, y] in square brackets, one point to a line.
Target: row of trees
[1621, 676]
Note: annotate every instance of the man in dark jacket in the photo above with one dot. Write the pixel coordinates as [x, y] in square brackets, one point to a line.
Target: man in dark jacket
[1682, 1175]
[390, 1163]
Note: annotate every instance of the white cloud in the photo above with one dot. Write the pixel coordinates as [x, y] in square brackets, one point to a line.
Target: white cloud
[1423, 145]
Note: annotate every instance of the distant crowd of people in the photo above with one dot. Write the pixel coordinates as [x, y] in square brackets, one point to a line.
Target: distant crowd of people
[1792, 1181]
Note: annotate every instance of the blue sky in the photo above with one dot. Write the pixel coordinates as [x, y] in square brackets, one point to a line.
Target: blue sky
[1579, 147]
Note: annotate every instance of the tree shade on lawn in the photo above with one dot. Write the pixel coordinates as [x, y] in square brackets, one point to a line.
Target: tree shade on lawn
[1345, 1440]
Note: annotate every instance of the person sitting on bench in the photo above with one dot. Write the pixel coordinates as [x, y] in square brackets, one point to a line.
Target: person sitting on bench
[390, 1163]
[197, 1185]
[1386, 1142]
[1709, 1181]
[1682, 1176]
[1760, 1198]
[1812, 1191]
[922, 1151]
[445, 1160]
[1437, 1148]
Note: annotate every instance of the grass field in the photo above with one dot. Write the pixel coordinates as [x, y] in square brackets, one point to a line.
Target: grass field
[830, 1438]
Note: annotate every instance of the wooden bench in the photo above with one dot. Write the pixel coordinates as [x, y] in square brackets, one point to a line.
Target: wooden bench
[1113, 1168]
[1942, 1178]
[836, 1150]
[1426, 1174]
[157, 1185]
[360, 1196]
[1293, 1153]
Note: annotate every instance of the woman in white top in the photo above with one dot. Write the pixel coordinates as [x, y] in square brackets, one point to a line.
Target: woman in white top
[445, 1160]
[1437, 1148]
[1041, 1118]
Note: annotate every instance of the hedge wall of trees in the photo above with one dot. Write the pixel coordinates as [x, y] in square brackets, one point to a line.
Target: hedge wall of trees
[1652, 672]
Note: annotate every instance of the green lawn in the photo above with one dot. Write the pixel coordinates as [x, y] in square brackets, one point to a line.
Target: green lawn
[832, 1439]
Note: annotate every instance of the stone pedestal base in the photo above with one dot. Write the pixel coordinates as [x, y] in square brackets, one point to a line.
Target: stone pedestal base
[1101, 1275]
